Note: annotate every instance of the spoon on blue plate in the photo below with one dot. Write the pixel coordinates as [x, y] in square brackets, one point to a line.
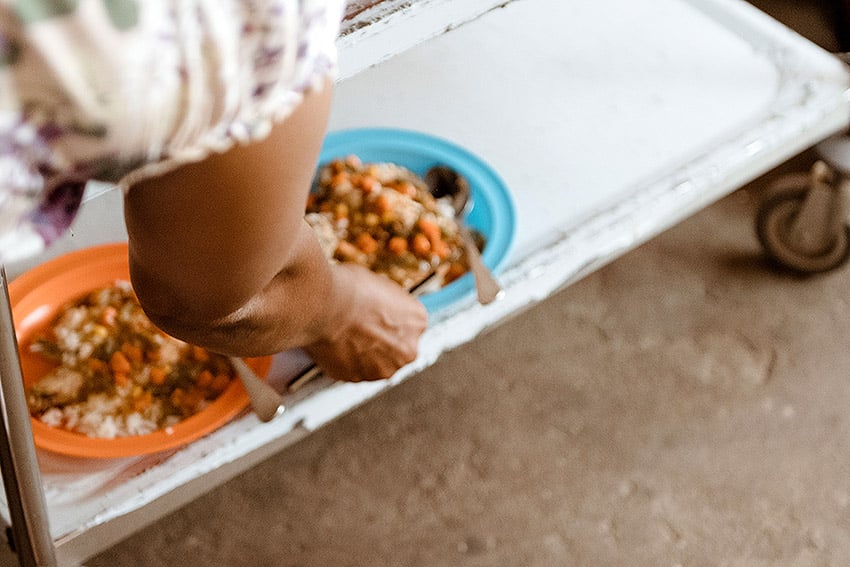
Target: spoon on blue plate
[445, 182]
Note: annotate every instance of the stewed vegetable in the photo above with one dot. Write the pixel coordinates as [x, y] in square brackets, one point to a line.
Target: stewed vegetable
[382, 216]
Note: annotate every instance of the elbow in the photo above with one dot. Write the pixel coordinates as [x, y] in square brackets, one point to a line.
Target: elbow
[205, 321]
[231, 335]
[171, 314]
[174, 321]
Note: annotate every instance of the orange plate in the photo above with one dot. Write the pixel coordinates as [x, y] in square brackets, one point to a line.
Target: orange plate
[38, 295]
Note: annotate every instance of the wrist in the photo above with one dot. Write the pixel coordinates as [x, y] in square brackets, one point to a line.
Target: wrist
[333, 318]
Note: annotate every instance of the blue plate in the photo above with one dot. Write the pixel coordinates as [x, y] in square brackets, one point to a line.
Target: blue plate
[492, 212]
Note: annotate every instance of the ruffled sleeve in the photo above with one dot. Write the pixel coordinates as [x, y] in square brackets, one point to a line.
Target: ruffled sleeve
[119, 90]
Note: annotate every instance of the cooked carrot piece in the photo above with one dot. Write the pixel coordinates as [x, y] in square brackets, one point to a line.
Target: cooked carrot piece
[177, 397]
[368, 184]
[397, 245]
[120, 378]
[200, 354]
[430, 229]
[220, 383]
[158, 375]
[204, 378]
[119, 364]
[192, 400]
[132, 352]
[366, 243]
[383, 203]
[143, 402]
[440, 249]
[421, 245]
[456, 270]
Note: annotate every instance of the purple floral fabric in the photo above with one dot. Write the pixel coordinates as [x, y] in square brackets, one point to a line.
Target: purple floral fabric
[117, 90]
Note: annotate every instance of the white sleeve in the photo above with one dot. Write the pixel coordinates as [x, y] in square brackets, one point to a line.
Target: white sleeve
[118, 90]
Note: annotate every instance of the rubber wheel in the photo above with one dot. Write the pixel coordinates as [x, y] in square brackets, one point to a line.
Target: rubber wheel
[773, 224]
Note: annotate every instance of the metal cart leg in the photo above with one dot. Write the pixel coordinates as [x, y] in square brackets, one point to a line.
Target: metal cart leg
[22, 480]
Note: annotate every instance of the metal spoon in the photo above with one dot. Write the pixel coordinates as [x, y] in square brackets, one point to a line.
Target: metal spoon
[265, 401]
[445, 182]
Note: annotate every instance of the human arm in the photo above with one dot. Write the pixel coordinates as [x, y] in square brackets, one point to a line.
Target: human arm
[220, 256]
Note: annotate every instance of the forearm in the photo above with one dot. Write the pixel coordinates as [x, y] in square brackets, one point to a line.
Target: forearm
[297, 307]
[220, 254]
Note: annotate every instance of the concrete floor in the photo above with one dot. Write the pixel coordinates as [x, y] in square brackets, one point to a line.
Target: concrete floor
[686, 405]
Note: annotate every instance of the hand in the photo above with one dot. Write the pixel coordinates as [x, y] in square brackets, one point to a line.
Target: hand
[375, 333]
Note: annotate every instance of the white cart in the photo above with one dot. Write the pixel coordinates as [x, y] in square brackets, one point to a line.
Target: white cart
[609, 120]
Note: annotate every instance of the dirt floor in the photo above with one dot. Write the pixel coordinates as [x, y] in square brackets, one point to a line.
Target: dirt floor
[686, 405]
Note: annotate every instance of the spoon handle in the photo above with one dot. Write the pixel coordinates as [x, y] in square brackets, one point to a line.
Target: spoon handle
[486, 285]
[265, 401]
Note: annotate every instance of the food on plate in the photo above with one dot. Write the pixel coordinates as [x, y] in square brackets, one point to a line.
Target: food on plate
[117, 374]
[382, 216]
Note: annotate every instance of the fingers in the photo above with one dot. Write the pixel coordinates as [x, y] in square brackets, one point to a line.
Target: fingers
[380, 333]
[362, 358]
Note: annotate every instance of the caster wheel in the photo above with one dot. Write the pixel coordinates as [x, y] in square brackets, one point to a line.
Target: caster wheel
[773, 226]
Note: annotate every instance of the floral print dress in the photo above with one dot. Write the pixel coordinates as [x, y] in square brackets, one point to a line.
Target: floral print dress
[114, 90]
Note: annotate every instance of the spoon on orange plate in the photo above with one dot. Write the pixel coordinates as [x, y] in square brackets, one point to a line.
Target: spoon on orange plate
[266, 402]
